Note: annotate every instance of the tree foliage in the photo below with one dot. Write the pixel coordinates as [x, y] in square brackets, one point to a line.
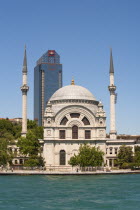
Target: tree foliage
[125, 156]
[5, 155]
[74, 160]
[34, 161]
[137, 156]
[87, 156]
[30, 146]
[36, 130]
[137, 148]
[9, 132]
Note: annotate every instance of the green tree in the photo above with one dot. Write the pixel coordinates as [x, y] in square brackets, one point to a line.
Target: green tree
[5, 155]
[74, 160]
[87, 156]
[137, 156]
[125, 156]
[31, 124]
[6, 125]
[17, 130]
[34, 161]
[37, 130]
[8, 130]
[137, 149]
[6, 138]
[30, 147]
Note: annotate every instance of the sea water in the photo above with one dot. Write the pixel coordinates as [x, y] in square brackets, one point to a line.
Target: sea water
[70, 192]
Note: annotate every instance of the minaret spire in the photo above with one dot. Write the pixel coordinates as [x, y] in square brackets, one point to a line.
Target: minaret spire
[24, 61]
[24, 90]
[112, 89]
[111, 62]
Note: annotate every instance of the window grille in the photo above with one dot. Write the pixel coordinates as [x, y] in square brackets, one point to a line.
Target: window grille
[87, 134]
[85, 121]
[116, 151]
[74, 132]
[64, 121]
[110, 151]
[75, 115]
[62, 157]
[62, 134]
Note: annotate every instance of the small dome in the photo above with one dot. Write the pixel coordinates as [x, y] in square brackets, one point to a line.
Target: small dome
[72, 92]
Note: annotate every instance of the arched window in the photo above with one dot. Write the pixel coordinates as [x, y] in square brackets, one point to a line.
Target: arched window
[16, 162]
[85, 121]
[64, 121]
[74, 132]
[62, 157]
[21, 161]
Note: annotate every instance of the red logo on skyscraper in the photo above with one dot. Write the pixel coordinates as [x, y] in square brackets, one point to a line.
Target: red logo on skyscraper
[51, 52]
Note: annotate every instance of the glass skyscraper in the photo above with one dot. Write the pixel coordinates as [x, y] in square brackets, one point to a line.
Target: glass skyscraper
[47, 79]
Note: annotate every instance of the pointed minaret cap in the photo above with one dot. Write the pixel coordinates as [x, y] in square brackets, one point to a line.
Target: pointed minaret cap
[72, 82]
[24, 70]
[111, 62]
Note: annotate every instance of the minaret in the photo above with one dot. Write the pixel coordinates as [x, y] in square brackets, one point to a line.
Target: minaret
[24, 90]
[112, 89]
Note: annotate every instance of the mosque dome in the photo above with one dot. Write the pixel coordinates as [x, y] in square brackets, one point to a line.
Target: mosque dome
[72, 92]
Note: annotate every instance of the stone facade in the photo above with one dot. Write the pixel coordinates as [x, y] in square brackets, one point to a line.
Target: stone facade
[72, 119]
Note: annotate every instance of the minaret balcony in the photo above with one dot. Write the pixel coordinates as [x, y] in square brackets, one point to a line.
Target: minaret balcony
[24, 88]
[112, 88]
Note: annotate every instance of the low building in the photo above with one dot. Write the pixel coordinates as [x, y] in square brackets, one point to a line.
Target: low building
[13, 120]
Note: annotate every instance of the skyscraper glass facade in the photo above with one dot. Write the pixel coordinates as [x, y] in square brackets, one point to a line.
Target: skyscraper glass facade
[47, 79]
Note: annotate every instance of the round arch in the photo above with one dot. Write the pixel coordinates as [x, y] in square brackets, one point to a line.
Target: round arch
[72, 109]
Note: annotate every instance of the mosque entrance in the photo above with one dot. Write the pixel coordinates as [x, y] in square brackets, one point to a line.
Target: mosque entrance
[62, 157]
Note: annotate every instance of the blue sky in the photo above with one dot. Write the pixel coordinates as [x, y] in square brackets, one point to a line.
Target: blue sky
[81, 31]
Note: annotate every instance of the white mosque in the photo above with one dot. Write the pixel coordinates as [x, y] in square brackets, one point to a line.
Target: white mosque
[73, 117]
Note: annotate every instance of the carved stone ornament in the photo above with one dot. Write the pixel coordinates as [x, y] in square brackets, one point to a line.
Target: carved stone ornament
[101, 121]
[48, 109]
[48, 120]
[48, 132]
[101, 133]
